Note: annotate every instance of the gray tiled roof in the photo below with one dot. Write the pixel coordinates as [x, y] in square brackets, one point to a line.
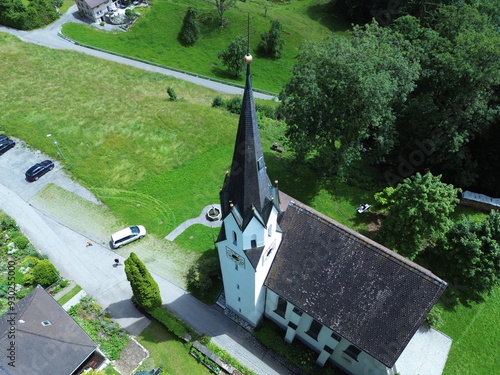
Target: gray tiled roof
[55, 349]
[366, 293]
[95, 3]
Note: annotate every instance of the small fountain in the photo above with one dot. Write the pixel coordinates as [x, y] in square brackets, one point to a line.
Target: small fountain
[213, 214]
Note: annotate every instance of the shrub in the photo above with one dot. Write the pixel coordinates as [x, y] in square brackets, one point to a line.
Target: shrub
[8, 223]
[21, 242]
[45, 273]
[434, 318]
[200, 275]
[22, 293]
[171, 93]
[234, 105]
[217, 102]
[172, 322]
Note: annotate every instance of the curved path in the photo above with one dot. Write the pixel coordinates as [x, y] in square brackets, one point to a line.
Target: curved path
[49, 37]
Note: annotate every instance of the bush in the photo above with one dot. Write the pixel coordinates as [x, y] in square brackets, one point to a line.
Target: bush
[234, 105]
[171, 93]
[434, 318]
[45, 273]
[8, 223]
[200, 275]
[21, 242]
[217, 102]
[172, 322]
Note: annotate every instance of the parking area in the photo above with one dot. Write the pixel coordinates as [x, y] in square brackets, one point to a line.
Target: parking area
[15, 162]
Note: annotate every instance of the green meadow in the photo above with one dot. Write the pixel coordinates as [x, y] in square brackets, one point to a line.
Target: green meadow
[154, 36]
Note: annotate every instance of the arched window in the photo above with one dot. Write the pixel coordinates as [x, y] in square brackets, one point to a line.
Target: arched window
[235, 239]
[270, 230]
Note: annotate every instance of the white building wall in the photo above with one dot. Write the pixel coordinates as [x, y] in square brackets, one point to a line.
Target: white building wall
[243, 285]
[363, 364]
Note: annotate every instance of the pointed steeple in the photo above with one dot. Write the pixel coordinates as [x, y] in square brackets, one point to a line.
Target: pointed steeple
[247, 190]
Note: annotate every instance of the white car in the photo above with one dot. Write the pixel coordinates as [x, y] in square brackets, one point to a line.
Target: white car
[127, 235]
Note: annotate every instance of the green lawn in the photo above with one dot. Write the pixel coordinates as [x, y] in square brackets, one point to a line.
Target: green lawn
[154, 36]
[168, 351]
[476, 336]
[73, 292]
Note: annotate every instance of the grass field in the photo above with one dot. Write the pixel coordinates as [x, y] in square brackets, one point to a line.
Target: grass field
[158, 163]
[166, 350]
[154, 36]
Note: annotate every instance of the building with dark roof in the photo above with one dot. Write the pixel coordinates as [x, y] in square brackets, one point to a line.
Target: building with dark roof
[39, 337]
[353, 301]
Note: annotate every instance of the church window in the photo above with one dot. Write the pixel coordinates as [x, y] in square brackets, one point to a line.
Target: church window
[336, 337]
[237, 286]
[314, 329]
[235, 239]
[253, 241]
[281, 307]
[352, 352]
[270, 231]
[239, 299]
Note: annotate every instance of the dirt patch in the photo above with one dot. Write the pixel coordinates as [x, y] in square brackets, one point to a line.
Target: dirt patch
[131, 357]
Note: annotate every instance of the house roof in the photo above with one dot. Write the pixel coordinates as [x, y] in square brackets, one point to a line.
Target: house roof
[247, 191]
[57, 347]
[95, 3]
[366, 293]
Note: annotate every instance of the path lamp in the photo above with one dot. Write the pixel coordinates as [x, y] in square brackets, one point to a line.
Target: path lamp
[56, 144]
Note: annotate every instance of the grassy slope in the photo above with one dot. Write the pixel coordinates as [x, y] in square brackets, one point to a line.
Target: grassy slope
[155, 153]
[154, 36]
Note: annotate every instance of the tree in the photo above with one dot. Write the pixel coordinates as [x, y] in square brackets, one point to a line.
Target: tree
[233, 56]
[454, 100]
[468, 256]
[272, 42]
[190, 29]
[221, 6]
[342, 97]
[418, 211]
[145, 289]
[44, 273]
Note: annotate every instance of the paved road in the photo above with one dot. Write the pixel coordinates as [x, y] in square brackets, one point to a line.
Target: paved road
[93, 267]
[48, 37]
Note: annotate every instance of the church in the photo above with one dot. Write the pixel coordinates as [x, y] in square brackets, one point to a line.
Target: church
[351, 300]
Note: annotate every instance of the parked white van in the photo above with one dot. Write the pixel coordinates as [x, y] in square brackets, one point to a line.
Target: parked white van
[127, 235]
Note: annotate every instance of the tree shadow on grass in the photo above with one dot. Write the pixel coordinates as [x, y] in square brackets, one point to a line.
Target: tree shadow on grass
[204, 277]
[328, 16]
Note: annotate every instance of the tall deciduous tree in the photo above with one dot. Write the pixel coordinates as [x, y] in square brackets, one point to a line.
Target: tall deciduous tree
[341, 99]
[233, 56]
[453, 102]
[190, 29]
[418, 211]
[272, 43]
[468, 257]
[221, 6]
[144, 287]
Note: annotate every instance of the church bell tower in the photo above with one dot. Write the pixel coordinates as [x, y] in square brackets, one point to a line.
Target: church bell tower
[250, 235]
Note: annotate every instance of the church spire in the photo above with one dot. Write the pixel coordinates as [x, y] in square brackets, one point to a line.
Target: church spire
[247, 190]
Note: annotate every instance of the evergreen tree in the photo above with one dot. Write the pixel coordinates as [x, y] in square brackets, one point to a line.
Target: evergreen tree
[144, 287]
[190, 29]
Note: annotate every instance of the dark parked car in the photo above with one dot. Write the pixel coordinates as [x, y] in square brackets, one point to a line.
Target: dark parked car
[38, 170]
[3, 138]
[6, 144]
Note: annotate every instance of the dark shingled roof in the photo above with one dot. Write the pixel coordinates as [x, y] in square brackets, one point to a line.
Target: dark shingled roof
[58, 348]
[247, 185]
[363, 291]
